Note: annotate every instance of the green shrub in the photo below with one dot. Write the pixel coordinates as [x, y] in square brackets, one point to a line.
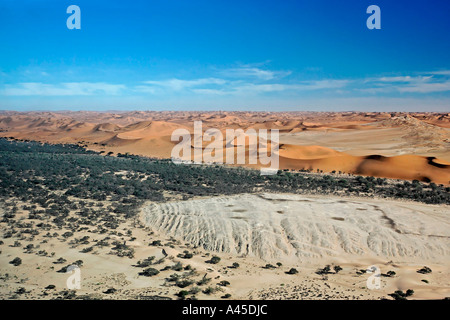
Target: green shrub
[292, 271]
[149, 272]
[16, 261]
[214, 260]
[424, 270]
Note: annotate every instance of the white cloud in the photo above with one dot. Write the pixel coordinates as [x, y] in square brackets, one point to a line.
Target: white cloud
[210, 91]
[303, 86]
[178, 84]
[253, 72]
[426, 87]
[409, 84]
[265, 83]
[245, 88]
[441, 72]
[62, 89]
[393, 79]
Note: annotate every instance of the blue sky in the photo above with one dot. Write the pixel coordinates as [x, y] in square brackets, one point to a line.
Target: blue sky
[226, 55]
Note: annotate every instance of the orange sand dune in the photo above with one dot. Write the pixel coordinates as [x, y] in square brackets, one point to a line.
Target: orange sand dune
[408, 167]
[306, 152]
[107, 127]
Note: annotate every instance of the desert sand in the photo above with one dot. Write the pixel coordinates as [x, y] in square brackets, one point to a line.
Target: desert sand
[302, 232]
[392, 145]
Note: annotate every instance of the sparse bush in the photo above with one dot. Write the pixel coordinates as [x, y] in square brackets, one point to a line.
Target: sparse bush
[209, 290]
[149, 272]
[60, 261]
[337, 269]
[204, 280]
[16, 262]
[424, 270]
[400, 295]
[110, 291]
[184, 283]
[146, 262]
[183, 294]
[185, 255]
[194, 290]
[213, 260]
[156, 243]
[325, 270]
[292, 271]
[177, 266]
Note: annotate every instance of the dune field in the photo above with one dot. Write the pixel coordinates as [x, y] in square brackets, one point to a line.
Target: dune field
[393, 145]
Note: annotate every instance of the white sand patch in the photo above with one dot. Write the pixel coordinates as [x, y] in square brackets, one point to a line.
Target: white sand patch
[298, 228]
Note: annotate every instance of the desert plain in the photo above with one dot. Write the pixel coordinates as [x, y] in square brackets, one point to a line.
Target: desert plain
[250, 244]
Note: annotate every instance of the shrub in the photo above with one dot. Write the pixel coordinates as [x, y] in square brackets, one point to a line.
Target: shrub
[203, 281]
[86, 250]
[185, 255]
[149, 272]
[16, 261]
[400, 295]
[184, 283]
[182, 294]
[324, 270]
[146, 262]
[209, 290]
[194, 290]
[110, 291]
[156, 243]
[337, 269]
[60, 260]
[390, 273]
[214, 260]
[424, 270]
[177, 266]
[292, 271]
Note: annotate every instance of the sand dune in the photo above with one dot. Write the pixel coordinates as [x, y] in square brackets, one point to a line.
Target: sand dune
[393, 145]
[306, 152]
[407, 167]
